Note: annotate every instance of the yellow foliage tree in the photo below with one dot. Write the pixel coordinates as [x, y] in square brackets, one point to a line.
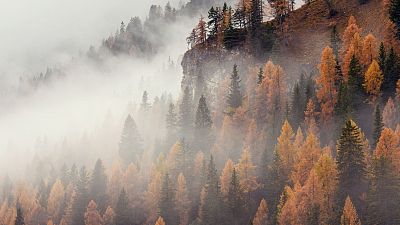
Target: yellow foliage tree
[369, 49]
[310, 119]
[390, 114]
[109, 216]
[373, 80]
[92, 216]
[326, 81]
[388, 147]
[285, 148]
[246, 169]
[182, 200]
[261, 217]
[226, 177]
[55, 200]
[349, 32]
[349, 216]
[160, 221]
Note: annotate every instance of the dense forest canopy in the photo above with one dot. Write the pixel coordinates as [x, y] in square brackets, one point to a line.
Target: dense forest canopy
[253, 135]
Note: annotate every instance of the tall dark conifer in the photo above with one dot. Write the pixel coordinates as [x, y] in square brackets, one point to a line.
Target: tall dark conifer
[186, 114]
[130, 145]
[235, 96]
[378, 125]
[351, 164]
[81, 199]
[166, 207]
[19, 219]
[123, 210]
[98, 186]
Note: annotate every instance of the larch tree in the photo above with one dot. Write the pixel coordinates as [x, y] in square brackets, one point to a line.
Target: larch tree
[261, 217]
[351, 163]
[390, 114]
[130, 145]
[373, 80]
[349, 216]
[92, 216]
[308, 155]
[285, 149]
[235, 96]
[182, 200]
[226, 176]
[160, 221]
[109, 216]
[201, 32]
[349, 32]
[246, 170]
[326, 81]
[369, 49]
[98, 186]
[310, 120]
[56, 201]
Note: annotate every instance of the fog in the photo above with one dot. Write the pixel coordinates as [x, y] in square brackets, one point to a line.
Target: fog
[48, 33]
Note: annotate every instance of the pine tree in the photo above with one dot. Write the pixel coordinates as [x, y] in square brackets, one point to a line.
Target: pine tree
[145, 105]
[378, 125]
[235, 96]
[382, 57]
[355, 85]
[130, 145]
[167, 201]
[349, 216]
[297, 108]
[215, 16]
[391, 74]
[351, 163]
[123, 209]
[98, 186]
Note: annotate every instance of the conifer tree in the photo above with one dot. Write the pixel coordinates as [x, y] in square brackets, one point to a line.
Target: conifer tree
[123, 209]
[394, 14]
[81, 199]
[349, 216]
[185, 113]
[378, 125]
[160, 221]
[355, 85]
[171, 121]
[382, 57]
[226, 177]
[373, 79]
[384, 194]
[109, 216]
[203, 123]
[235, 197]
[145, 105]
[351, 163]
[19, 219]
[98, 186]
[260, 76]
[335, 41]
[92, 216]
[261, 217]
[235, 96]
[211, 205]
[56, 201]
[130, 145]
[167, 201]
[297, 109]
[391, 74]
[182, 200]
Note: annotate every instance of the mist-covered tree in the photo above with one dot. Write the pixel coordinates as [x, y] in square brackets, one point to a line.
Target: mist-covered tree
[211, 202]
[185, 113]
[98, 186]
[19, 219]
[235, 96]
[171, 121]
[130, 145]
[203, 124]
[166, 207]
[92, 216]
[123, 210]
[145, 105]
[81, 199]
[235, 198]
[297, 106]
[351, 163]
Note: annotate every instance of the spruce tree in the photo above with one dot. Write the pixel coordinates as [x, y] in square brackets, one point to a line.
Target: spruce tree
[382, 57]
[235, 198]
[260, 76]
[211, 207]
[342, 107]
[351, 163]
[355, 85]
[378, 125]
[130, 145]
[203, 117]
[185, 114]
[214, 16]
[171, 121]
[81, 199]
[98, 186]
[391, 75]
[123, 210]
[144, 106]
[235, 97]
[297, 108]
[394, 14]
[166, 207]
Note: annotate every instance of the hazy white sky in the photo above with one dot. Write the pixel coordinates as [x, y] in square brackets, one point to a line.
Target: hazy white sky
[37, 33]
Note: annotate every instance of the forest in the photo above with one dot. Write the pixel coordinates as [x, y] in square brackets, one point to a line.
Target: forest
[287, 113]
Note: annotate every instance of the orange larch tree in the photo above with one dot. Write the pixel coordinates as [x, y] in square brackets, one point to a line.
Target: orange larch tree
[373, 80]
[182, 200]
[261, 217]
[349, 216]
[92, 216]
